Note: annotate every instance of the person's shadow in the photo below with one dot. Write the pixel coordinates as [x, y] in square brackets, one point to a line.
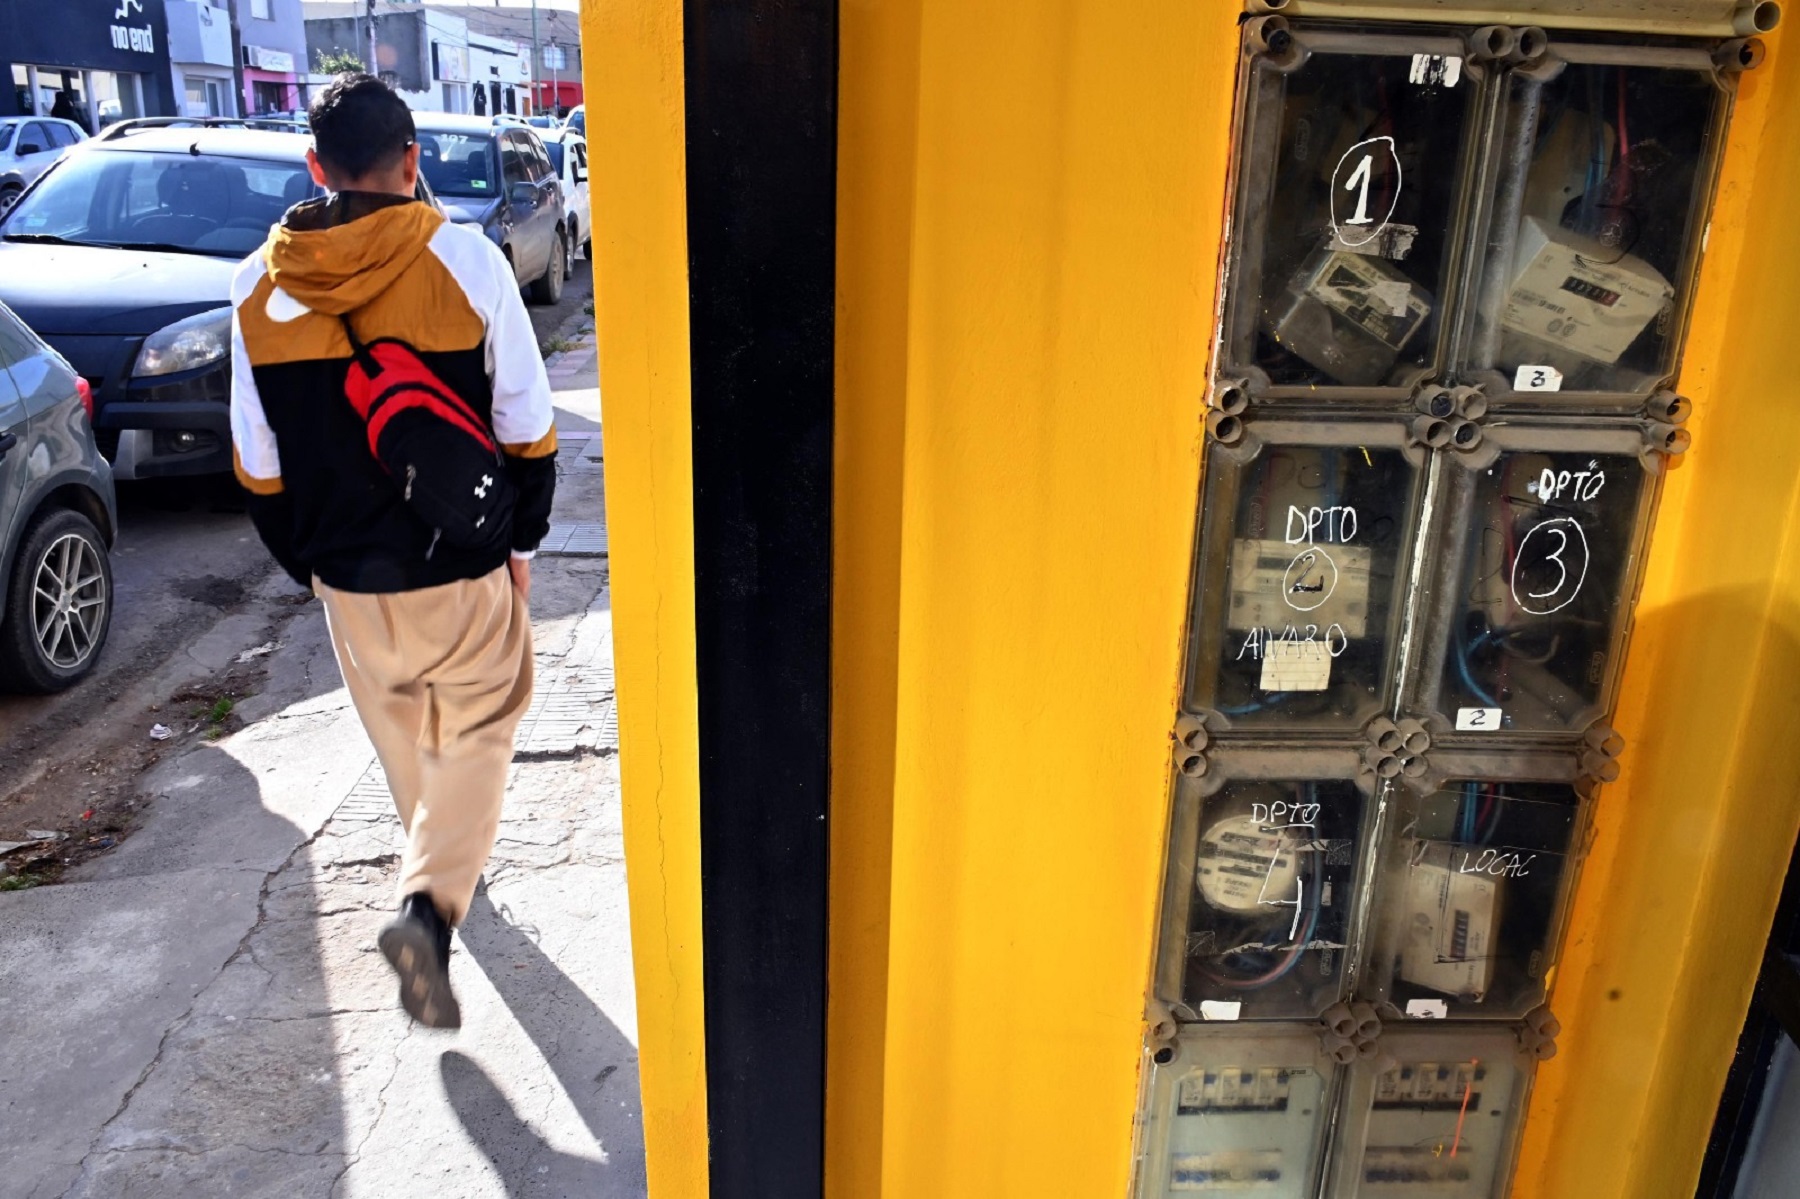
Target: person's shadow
[593, 1061]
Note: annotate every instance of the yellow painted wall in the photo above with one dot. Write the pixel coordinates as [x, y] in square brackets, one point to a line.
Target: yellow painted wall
[632, 59]
[1055, 176]
[1692, 843]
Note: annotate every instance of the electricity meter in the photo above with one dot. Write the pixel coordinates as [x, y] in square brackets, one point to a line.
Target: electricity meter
[1531, 593]
[1434, 1116]
[1471, 898]
[1237, 1112]
[1304, 548]
[1262, 889]
[1606, 167]
[1354, 162]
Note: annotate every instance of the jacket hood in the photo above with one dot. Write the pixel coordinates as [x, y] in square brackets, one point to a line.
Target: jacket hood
[337, 253]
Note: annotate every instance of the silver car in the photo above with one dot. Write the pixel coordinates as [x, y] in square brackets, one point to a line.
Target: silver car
[57, 516]
[28, 145]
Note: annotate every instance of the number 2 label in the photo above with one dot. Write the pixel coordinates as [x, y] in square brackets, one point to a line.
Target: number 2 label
[1477, 720]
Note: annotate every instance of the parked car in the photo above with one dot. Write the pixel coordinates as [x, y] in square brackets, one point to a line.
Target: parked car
[496, 174]
[577, 120]
[121, 255]
[57, 518]
[569, 156]
[28, 145]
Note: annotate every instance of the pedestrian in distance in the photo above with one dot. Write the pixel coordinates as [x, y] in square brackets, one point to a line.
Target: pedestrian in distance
[393, 425]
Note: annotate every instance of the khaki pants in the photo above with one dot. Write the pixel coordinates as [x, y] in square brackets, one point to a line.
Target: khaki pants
[441, 678]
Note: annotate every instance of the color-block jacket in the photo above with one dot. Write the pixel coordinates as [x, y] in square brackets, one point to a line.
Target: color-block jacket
[319, 499]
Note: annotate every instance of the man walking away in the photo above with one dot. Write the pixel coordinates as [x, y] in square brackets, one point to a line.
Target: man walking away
[431, 630]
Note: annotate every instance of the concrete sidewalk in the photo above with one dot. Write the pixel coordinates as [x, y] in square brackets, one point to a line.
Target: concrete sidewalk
[203, 1012]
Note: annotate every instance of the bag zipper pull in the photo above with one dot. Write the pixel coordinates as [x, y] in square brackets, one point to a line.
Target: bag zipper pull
[432, 548]
[412, 472]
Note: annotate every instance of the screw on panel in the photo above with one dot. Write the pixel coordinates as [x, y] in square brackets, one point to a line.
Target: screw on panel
[1530, 44]
[1430, 431]
[1349, 1031]
[1435, 401]
[1225, 428]
[1395, 748]
[1665, 407]
[1471, 402]
[1191, 740]
[1268, 35]
[1160, 1031]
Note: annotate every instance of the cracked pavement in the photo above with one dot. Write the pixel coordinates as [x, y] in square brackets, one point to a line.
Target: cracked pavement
[203, 1011]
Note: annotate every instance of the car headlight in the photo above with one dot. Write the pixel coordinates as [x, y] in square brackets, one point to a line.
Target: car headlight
[197, 341]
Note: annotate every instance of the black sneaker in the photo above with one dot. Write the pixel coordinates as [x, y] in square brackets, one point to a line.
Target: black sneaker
[416, 944]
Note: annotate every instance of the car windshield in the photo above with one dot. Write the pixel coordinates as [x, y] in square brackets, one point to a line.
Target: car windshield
[183, 202]
[458, 164]
[578, 121]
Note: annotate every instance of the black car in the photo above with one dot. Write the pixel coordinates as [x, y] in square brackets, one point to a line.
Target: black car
[121, 256]
[496, 174]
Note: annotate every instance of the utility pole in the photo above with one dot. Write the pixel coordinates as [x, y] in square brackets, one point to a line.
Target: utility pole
[555, 67]
[374, 67]
[535, 99]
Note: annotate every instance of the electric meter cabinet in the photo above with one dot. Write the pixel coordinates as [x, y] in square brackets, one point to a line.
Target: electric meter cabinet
[1543, 531]
[1434, 1116]
[1593, 231]
[1300, 573]
[1355, 160]
[1471, 899]
[1263, 889]
[1237, 1112]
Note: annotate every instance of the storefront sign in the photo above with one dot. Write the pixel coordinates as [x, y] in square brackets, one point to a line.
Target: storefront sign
[451, 62]
[140, 39]
[263, 59]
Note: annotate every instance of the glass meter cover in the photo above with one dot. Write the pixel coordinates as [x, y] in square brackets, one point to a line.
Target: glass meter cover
[1268, 898]
[1606, 170]
[1350, 176]
[1433, 1118]
[1542, 589]
[1303, 549]
[1237, 1115]
[1470, 901]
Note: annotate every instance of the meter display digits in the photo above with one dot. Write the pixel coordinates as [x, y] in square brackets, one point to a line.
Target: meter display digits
[1469, 902]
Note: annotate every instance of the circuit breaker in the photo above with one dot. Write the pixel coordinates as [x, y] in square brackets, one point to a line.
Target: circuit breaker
[1456, 287]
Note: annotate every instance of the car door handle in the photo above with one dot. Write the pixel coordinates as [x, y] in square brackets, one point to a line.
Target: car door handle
[7, 442]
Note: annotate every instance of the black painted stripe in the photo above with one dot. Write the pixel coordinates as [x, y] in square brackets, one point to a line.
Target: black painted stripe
[761, 208]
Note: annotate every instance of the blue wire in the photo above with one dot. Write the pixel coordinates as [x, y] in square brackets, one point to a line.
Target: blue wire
[1468, 675]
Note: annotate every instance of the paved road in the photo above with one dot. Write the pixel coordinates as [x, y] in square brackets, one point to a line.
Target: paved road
[187, 557]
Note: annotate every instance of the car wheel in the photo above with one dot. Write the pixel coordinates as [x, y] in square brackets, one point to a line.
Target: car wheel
[548, 289]
[58, 605]
[9, 195]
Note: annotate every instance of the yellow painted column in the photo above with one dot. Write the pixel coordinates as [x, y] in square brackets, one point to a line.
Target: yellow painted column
[1691, 845]
[1067, 190]
[632, 56]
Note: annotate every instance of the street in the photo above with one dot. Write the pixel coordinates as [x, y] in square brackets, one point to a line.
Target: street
[193, 992]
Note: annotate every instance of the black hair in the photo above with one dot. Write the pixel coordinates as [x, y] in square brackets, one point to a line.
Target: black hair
[359, 125]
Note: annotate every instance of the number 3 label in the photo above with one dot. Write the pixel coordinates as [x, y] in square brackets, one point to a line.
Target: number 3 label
[1537, 378]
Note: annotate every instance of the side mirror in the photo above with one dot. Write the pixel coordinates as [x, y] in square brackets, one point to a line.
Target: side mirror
[522, 194]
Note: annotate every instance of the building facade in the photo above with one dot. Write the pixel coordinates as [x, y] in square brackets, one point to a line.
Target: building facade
[201, 59]
[432, 57]
[96, 62]
[273, 38]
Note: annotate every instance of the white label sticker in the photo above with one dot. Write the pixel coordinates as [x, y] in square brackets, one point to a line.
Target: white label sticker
[1220, 1009]
[1428, 1009]
[1393, 294]
[1395, 242]
[1295, 666]
[1434, 69]
[1537, 378]
[1477, 720]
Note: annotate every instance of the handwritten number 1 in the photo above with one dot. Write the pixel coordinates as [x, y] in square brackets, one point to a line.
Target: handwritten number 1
[1359, 178]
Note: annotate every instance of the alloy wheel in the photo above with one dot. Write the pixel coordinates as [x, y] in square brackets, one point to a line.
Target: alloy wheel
[69, 602]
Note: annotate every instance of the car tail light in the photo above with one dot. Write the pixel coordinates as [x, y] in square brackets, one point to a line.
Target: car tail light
[86, 391]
